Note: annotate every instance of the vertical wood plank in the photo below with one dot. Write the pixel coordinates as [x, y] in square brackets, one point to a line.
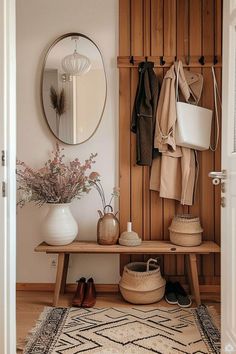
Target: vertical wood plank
[195, 42]
[169, 37]
[124, 148]
[157, 50]
[137, 32]
[207, 193]
[137, 48]
[169, 212]
[136, 172]
[146, 169]
[181, 50]
[218, 20]
[180, 262]
[124, 121]
[157, 23]
[182, 28]
[124, 27]
[195, 46]
[169, 33]
[147, 27]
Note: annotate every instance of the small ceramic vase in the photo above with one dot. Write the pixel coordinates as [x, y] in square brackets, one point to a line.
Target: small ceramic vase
[59, 226]
[108, 227]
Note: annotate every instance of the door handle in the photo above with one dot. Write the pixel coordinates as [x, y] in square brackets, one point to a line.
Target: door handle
[217, 176]
[220, 174]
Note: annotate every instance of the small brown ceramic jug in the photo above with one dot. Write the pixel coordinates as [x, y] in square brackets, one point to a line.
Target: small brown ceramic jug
[107, 227]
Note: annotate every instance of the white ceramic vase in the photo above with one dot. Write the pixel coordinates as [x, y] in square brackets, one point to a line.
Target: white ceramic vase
[59, 226]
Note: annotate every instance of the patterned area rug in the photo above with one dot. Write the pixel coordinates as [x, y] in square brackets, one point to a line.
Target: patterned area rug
[139, 330]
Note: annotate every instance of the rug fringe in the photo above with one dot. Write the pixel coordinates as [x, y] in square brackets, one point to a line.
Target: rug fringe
[215, 316]
[23, 344]
[20, 344]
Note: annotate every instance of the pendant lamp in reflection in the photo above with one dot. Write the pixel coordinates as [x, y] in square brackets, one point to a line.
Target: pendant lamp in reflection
[76, 64]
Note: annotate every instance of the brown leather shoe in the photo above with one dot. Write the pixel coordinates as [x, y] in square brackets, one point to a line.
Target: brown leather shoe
[90, 294]
[79, 294]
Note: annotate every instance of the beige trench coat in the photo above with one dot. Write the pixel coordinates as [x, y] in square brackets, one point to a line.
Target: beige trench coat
[173, 174]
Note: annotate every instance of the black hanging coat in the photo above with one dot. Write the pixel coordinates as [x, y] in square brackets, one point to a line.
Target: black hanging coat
[144, 114]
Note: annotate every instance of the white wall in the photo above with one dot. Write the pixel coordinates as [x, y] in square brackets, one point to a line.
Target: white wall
[39, 22]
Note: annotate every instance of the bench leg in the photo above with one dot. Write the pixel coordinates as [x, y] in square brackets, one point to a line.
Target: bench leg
[64, 275]
[193, 274]
[187, 265]
[60, 268]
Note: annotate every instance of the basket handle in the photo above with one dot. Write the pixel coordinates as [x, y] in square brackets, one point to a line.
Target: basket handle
[149, 261]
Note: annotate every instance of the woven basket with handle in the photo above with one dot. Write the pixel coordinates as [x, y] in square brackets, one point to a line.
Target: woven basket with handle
[142, 283]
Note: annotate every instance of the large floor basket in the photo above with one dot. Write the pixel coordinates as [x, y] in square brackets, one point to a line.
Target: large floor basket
[142, 283]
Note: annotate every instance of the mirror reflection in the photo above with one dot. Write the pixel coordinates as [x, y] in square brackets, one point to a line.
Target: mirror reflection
[73, 88]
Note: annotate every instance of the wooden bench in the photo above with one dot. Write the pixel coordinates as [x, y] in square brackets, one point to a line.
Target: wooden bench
[147, 247]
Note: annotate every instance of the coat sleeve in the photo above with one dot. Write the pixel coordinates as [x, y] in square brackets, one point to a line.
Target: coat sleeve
[164, 138]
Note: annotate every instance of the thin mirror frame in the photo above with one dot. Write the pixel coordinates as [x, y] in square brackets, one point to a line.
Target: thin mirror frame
[42, 76]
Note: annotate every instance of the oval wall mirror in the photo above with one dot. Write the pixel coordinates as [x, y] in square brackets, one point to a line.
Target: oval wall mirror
[73, 88]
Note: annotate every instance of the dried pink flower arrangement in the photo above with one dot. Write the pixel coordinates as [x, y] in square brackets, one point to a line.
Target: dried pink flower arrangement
[56, 182]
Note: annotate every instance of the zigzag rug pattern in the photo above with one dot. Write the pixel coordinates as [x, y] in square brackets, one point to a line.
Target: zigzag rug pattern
[139, 330]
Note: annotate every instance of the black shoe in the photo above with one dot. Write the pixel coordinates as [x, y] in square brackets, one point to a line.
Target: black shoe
[183, 299]
[170, 295]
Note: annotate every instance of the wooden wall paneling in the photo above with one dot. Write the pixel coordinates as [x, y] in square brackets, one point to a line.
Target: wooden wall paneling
[195, 48]
[207, 165]
[218, 49]
[169, 35]
[124, 122]
[137, 48]
[160, 28]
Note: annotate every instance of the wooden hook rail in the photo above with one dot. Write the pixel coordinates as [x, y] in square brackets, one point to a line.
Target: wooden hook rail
[167, 61]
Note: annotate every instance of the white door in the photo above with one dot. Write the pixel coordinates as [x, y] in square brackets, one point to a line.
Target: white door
[228, 231]
[7, 175]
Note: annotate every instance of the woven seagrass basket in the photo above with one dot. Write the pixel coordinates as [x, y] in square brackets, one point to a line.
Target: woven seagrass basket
[142, 283]
[186, 230]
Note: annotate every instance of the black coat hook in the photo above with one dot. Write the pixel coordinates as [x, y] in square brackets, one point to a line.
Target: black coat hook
[146, 59]
[215, 60]
[162, 61]
[132, 60]
[202, 60]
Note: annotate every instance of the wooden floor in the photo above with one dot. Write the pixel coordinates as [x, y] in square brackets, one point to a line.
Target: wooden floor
[30, 304]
